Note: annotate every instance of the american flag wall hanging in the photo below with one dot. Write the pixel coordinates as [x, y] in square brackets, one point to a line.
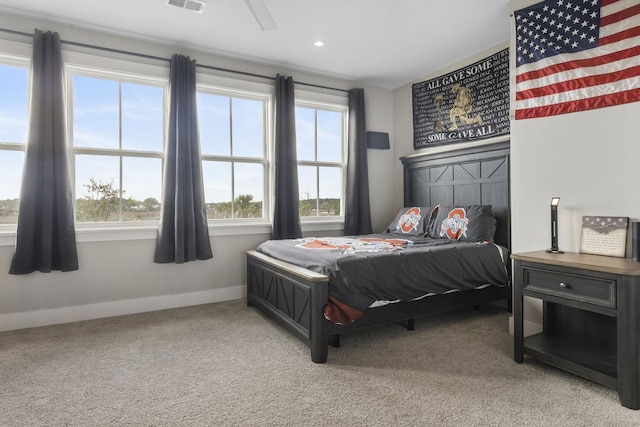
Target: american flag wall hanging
[575, 55]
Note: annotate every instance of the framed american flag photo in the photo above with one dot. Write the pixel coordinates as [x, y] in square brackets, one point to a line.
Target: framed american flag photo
[604, 235]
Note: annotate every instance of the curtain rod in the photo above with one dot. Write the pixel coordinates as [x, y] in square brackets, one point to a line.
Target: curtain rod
[159, 58]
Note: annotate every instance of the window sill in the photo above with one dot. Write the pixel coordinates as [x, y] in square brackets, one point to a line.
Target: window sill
[121, 232]
[7, 236]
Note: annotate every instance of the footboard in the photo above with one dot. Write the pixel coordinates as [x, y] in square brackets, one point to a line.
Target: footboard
[292, 296]
[295, 298]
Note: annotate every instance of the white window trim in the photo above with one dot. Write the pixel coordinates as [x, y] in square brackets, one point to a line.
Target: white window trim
[123, 231]
[11, 50]
[149, 231]
[14, 54]
[331, 103]
[72, 70]
[266, 99]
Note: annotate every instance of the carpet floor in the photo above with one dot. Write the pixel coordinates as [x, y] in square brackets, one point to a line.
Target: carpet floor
[225, 364]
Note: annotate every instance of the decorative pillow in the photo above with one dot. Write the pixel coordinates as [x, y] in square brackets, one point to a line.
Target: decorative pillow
[410, 221]
[474, 223]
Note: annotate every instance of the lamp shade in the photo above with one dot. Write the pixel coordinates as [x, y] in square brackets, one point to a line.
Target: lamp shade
[378, 140]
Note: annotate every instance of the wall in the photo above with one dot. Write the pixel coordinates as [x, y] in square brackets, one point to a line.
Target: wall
[117, 275]
[588, 159]
[403, 110]
[385, 170]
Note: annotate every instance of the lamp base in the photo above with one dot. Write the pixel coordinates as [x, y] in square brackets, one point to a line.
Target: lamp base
[554, 251]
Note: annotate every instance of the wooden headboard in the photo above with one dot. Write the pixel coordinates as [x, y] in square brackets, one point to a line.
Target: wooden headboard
[469, 176]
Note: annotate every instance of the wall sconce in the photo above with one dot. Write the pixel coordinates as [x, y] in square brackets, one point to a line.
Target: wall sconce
[555, 201]
[378, 140]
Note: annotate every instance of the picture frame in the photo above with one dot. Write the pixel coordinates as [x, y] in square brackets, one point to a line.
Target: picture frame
[468, 104]
[604, 235]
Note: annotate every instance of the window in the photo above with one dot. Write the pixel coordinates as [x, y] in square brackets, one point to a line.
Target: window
[233, 129]
[320, 136]
[14, 100]
[117, 133]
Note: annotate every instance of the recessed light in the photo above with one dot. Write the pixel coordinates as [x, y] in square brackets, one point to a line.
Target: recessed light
[318, 43]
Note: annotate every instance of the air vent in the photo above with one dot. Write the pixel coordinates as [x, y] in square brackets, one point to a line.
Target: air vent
[193, 5]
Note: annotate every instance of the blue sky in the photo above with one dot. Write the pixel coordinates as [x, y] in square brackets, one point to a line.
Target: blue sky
[329, 149]
[231, 126]
[13, 127]
[96, 124]
[96, 115]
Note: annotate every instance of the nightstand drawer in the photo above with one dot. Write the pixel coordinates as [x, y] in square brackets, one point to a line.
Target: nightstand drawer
[587, 289]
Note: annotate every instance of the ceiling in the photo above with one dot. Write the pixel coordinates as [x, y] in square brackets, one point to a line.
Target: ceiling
[384, 43]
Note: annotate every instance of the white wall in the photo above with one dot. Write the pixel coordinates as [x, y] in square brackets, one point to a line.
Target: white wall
[118, 276]
[588, 159]
[403, 110]
[385, 189]
[403, 121]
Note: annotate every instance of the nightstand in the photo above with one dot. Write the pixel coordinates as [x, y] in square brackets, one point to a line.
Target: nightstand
[591, 317]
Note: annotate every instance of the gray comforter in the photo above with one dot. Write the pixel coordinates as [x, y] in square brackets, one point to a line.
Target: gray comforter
[364, 269]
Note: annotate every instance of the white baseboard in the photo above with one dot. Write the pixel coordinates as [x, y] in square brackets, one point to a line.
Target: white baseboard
[53, 316]
[529, 328]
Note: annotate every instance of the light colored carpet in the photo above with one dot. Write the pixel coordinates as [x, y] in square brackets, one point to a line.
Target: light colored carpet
[226, 365]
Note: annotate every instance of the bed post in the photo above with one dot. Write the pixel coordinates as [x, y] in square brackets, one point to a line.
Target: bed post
[318, 330]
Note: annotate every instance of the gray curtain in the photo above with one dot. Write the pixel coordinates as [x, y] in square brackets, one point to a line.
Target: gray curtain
[286, 216]
[183, 233]
[357, 216]
[46, 238]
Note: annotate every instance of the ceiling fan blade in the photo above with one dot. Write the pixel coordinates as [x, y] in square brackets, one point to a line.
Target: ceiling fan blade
[262, 15]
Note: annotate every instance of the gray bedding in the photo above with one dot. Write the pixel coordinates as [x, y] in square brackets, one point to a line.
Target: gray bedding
[364, 269]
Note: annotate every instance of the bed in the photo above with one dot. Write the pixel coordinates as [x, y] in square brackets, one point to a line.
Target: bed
[297, 297]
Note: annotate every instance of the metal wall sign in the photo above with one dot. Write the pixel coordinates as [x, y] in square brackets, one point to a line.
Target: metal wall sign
[468, 104]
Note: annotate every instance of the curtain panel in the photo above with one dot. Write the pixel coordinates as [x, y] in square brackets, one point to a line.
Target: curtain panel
[286, 214]
[46, 238]
[183, 233]
[357, 217]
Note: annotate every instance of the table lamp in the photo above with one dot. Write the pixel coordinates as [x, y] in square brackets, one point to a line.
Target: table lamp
[554, 226]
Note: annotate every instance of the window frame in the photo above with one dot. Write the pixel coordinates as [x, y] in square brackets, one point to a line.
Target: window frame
[15, 55]
[334, 104]
[119, 76]
[122, 68]
[265, 160]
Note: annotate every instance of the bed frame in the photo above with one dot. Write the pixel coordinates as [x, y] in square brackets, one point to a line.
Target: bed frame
[295, 297]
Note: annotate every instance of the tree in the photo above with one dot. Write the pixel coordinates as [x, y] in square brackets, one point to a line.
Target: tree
[305, 207]
[333, 206]
[245, 207]
[100, 201]
[150, 203]
[220, 210]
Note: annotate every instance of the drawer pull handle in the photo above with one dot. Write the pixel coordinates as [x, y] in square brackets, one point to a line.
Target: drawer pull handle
[563, 285]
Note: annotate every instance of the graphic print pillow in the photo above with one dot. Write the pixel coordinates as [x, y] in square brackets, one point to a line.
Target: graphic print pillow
[474, 223]
[410, 221]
